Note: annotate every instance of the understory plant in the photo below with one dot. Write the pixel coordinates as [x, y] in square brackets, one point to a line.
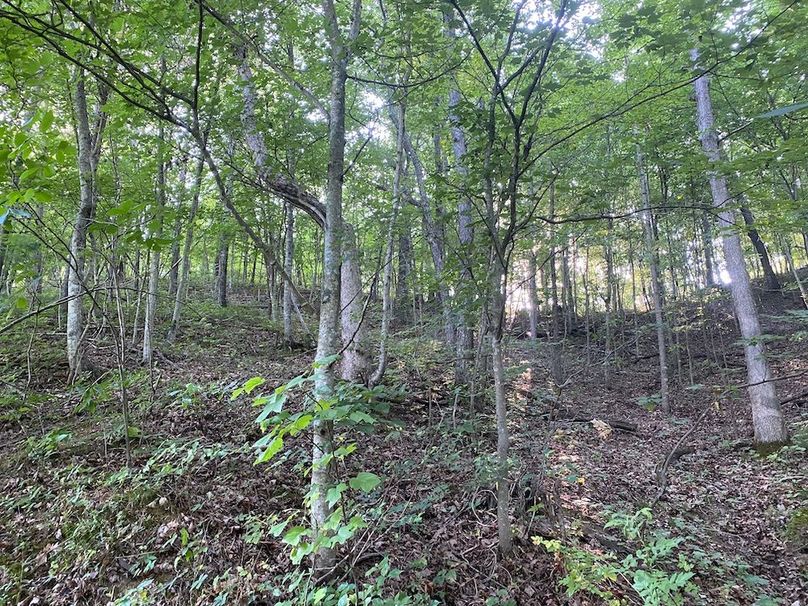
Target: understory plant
[351, 407]
[657, 570]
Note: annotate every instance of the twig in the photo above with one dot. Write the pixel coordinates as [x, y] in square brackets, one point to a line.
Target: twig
[662, 473]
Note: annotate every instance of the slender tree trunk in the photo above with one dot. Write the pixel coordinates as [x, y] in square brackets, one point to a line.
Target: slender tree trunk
[770, 281]
[288, 266]
[185, 262]
[328, 339]
[403, 300]
[766, 415]
[222, 256]
[434, 232]
[556, 312]
[532, 296]
[5, 234]
[387, 302]
[174, 269]
[707, 243]
[503, 439]
[608, 302]
[795, 273]
[150, 314]
[465, 232]
[568, 294]
[89, 149]
[656, 283]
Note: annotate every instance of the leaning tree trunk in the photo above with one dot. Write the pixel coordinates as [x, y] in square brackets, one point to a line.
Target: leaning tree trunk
[89, 148]
[770, 281]
[656, 282]
[766, 415]
[435, 236]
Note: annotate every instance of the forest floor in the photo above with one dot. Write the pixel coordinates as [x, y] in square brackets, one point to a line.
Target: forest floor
[190, 522]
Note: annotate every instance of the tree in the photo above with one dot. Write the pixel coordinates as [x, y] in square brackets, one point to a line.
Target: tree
[766, 415]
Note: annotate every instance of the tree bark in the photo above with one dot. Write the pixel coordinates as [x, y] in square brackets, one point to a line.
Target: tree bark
[767, 418]
[356, 362]
[89, 150]
[288, 267]
[222, 256]
[532, 296]
[387, 302]
[465, 233]
[656, 282]
[150, 313]
[403, 302]
[433, 229]
[328, 342]
[185, 261]
[174, 269]
[770, 281]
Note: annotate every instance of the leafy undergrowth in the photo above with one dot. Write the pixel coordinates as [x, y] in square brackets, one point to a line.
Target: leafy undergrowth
[194, 521]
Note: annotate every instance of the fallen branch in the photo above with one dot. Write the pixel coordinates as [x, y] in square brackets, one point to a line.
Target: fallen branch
[795, 398]
[613, 423]
[662, 472]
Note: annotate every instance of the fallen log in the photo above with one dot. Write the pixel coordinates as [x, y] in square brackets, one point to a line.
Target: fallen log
[613, 423]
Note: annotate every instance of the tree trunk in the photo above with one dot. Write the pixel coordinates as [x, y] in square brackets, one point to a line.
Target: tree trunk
[465, 232]
[221, 270]
[770, 281]
[656, 283]
[89, 149]
[434, 232]
[185, 262]
[532, 296]
[556, 313]
[403, 300]
[707, 243]
[766, 415]
[328, 342]
[355, 360]
[387, 302]
[174, 269]
[150, 314]
[288, 267]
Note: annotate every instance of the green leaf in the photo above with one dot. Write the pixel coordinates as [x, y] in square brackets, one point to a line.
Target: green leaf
[46, 122]
[782, 111]
[326, 361]
[270, 451]
[334, 493]
[300, 424]
[272, 404]
[248, 387]
[294, 535]
[365, 481]
[361, 417]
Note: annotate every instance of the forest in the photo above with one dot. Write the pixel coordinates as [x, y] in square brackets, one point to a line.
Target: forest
[403, 302]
